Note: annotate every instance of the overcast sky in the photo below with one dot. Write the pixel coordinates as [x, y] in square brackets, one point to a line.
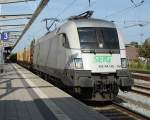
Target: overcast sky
[127, 16]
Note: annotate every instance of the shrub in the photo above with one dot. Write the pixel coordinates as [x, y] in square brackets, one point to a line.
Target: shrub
[148, 67]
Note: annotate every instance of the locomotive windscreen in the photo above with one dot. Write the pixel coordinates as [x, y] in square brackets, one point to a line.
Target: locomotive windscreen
[98, 38]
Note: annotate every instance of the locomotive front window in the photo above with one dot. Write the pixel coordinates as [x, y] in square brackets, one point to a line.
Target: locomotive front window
[98, 38]
[110, 38]
[88, 38]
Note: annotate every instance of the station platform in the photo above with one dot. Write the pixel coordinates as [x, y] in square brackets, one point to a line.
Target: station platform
[25, 96]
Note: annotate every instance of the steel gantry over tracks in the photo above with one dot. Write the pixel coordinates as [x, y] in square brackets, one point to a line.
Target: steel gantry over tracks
[22, 28]
[13, 1]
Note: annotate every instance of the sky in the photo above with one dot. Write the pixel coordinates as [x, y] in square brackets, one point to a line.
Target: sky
[126, 15]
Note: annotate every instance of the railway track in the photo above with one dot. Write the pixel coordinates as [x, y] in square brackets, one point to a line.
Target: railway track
[115, 111]
[133, 114]
[143, 86]
[144, 77]
[141, 90]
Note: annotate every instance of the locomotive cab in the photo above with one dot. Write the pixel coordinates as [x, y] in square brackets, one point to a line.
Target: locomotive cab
[99, 66]
[104, 44]
[85, 56]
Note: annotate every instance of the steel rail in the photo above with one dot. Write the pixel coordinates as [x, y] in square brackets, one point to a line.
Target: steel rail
[140, 91]
[132, 112]
[142, 87]
[142, 77]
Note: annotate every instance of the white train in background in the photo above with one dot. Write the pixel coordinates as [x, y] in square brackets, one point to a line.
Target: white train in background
[85, 55]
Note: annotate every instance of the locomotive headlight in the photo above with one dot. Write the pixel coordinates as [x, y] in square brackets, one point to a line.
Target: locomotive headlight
[123, 62]
[78, 63]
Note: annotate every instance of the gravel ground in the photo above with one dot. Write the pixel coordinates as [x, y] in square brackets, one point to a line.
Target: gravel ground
[136, 102]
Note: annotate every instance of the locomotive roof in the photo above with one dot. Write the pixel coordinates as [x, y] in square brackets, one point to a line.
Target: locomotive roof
[83, 23]
[93, 23]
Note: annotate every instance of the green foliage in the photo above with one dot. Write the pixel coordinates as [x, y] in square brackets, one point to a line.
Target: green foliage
[144, 49]
[139, 65]
[148, 66]
[135, 44]
[13, 57]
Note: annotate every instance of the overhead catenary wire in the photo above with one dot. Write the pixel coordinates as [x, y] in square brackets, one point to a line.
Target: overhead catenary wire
[89, 6]
[15, 18]
[118, 12]
[136, 23]
[137, 4]
[66, 8]
[41, 6]
[31, 6]
[126, 9]
[140, 24]
[69, 6]
[57, 18]
[85, 9]
[60, 14]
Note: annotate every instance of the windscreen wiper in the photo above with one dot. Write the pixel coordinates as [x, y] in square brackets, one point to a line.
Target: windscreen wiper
[93, 51]
[89, 51]
[111, 51]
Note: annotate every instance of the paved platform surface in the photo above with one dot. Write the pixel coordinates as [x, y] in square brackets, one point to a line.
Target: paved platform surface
[25, 96]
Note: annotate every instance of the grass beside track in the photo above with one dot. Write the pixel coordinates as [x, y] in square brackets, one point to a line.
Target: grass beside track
[140, 71]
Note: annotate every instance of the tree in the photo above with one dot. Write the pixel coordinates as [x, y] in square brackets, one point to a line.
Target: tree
[13, 57]
[144, 50]
[135, 44]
